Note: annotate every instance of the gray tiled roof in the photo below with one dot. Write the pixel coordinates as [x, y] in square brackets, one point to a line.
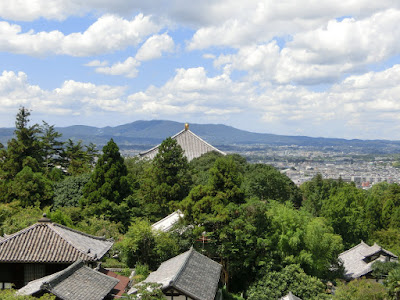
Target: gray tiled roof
[191, 273]
[192, 145]
[355, 260]
[77, 282]
[52, 243]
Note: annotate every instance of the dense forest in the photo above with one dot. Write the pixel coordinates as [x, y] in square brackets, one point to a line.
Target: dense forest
[271, 236]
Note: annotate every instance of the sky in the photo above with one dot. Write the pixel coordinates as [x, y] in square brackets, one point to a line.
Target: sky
[317, 68]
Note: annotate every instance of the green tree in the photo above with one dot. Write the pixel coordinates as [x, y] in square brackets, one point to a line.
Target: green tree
[167, 181]
[51, 147]
[392, 283]
[141, 244]
[69, 191]
[29, 188]
[24, 149]
[276, 284]
[360, 289]
[266, 182]
[108, 185]
[76, 160]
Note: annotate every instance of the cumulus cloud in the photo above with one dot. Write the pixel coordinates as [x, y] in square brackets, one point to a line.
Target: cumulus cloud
[109, 33]
[71, 98]
[126, 68]
[321, 55]
[154, 46]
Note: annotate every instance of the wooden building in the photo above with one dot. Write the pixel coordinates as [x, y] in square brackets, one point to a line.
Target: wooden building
[46, 248]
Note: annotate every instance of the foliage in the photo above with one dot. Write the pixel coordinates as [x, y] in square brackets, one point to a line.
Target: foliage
[29, 188]
[50, 146]
[108, 186]
[69, 191]
[11, 295]
[100, 226]
[143, 245]
[265, 182]
[200, 166]
[148, 291]
[360, 289]
[229, 296]
[381, 269]
[17, 218]
[345, 212]
[141, 272]
[276, 284]
[167, 181]
[302, 239]
[388, 239]
[392, 284]
[75, 160]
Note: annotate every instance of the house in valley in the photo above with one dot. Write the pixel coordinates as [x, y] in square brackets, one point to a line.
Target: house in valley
[358, 260]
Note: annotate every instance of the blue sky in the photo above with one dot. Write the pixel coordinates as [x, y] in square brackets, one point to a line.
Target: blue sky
[298, 67]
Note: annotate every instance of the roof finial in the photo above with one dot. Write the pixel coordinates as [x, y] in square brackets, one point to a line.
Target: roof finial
[186, 126]
[44, 219]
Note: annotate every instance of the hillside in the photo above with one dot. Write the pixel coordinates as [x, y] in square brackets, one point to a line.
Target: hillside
[144, 134]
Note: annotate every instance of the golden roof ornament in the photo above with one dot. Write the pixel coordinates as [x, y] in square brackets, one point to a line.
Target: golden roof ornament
[186, 126]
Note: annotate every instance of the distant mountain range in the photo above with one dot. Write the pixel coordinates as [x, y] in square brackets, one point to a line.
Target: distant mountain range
[144, 134]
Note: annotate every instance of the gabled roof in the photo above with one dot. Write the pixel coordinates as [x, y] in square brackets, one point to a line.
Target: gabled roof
[190, 273]
[77, 282]
[290, 296]
[168, 222]
[48, 242]
[192, 145]
[121, 287]
[357, 260]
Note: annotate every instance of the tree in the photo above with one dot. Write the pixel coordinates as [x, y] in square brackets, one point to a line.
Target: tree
[51, 147]
[76, 160]
[276, 284]
[69, 191]
[393, 284]
[24, 149]
[265, 182]
[360, 289]
[141, 244]
[166, 181]
[108, 185]
[29, 188]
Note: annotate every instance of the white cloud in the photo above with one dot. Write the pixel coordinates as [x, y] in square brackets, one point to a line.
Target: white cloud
[126, 68]
[154, 46]
[109, 33]
[321, 55]
[96, 63]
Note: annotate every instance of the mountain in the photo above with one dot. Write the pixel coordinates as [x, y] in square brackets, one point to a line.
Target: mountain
[144, 134]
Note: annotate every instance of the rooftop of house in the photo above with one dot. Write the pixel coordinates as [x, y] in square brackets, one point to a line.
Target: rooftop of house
[191, 273]
[358, 260]
[168, 222]
[192, 145]
[47, 242]
[77, 282]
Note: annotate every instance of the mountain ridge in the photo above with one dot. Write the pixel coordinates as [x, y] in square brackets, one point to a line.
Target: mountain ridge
[151, 133]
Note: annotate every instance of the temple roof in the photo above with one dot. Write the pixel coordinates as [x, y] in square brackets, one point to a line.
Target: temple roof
[192, 145]
[191, 273]
[358, 260]
[77, 282]
[48, 242]
[168, 222]
[290, 296]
